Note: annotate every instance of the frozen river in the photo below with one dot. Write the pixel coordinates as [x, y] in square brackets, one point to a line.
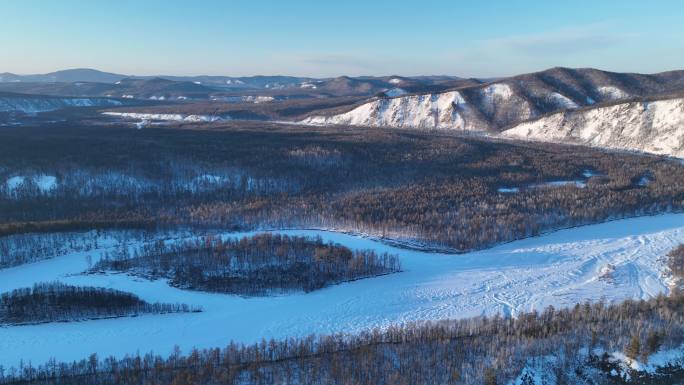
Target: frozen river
[615, 260]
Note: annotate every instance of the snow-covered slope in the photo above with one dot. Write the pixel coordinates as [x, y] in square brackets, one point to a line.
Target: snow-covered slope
[649, 126]
[31, 104]
[478, 109]
[443, 110]
[502, 103]
[585, 368]
[481, 108]
[166, 117]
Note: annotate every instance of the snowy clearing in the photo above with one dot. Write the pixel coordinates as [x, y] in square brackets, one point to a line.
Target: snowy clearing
[44, 183]
[560, 268]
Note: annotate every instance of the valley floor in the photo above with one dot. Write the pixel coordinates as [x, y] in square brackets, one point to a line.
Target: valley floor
[612, 261]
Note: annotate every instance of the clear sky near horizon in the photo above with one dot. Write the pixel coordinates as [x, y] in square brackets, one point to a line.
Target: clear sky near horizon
[343, 37]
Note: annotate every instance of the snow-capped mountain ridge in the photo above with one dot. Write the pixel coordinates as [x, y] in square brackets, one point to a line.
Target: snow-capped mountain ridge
[589, 107]
[443, 110]
[505, 102]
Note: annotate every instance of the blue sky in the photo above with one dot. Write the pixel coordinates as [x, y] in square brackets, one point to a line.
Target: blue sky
[330, 38]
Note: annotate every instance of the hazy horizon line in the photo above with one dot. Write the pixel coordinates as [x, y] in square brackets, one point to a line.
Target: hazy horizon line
[150, 74]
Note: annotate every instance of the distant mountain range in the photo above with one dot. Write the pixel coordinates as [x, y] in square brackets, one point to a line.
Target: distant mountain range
[579, 106]
[65, 76]
[90, 82]
[496, 105]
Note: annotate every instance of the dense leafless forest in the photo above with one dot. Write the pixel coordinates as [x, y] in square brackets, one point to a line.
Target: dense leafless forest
[434, 189]
[18, 249]
[256, 265]
[57, 302]
[468, 351]
[676, 265]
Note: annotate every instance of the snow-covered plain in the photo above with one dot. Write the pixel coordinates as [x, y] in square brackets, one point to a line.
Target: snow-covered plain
[560, 268]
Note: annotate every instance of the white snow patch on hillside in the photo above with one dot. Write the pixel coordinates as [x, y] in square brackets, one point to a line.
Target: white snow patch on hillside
[590, 173]
[562, 101]
[508, 190]
[33, 105]
[208, 182]
[395, 81]
[15, 182]
[497, 90]
[612, 93]
[560, 183]
[44, 183]
[394, 92]
[656, 127]
[544, 370]
[661, 358]
[537, 372]
[258, 99]
[244, 98]
[166, 117]
[498, 105]
[557, 269]
[442, 110]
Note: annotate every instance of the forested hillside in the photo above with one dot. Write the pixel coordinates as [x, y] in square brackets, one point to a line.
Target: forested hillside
[426, 189]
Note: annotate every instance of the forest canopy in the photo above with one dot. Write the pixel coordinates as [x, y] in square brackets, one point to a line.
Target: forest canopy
[257, 265]
[432, 189]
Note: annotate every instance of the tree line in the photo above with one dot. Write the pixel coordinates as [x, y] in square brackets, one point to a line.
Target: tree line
[58, 302]
[490, 350]
[675, 261]
[254, 265]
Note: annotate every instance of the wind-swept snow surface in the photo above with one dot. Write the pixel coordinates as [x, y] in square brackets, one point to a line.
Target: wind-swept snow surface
[560, 268]
[649, 126]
